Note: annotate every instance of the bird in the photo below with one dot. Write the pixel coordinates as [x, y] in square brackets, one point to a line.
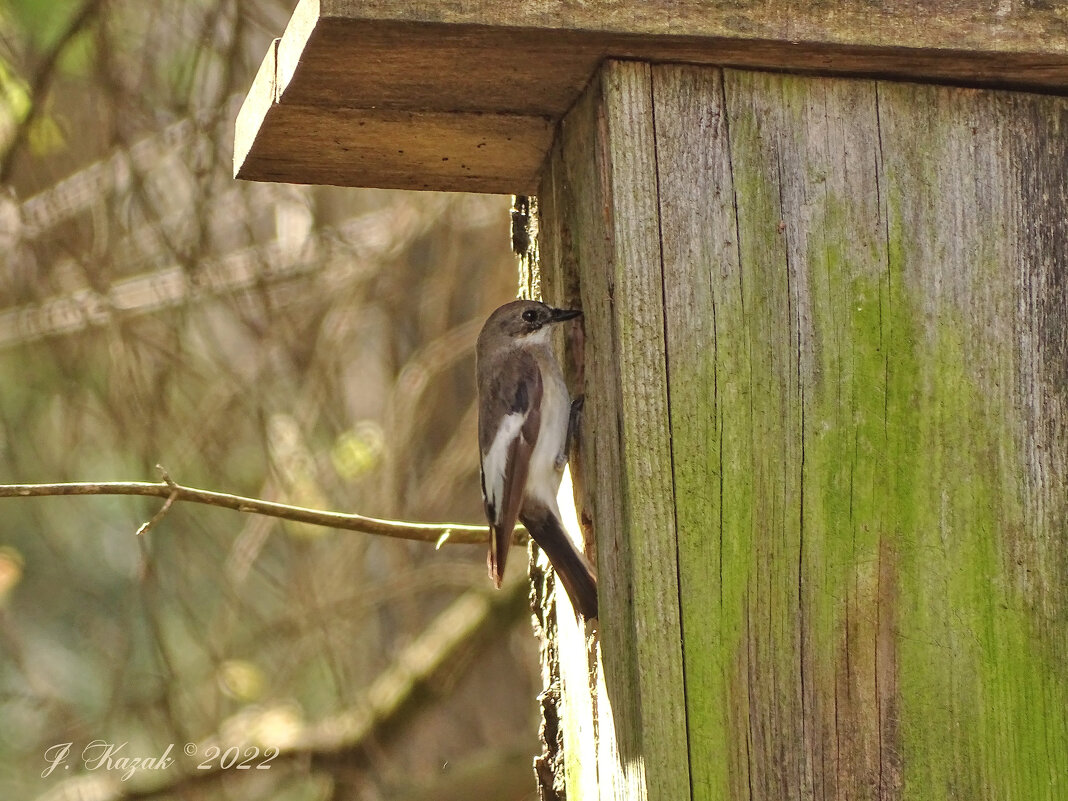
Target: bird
[524, 423]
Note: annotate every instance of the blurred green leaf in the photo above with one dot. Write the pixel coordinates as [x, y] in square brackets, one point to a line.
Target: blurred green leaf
[14, 98]
[358, 450]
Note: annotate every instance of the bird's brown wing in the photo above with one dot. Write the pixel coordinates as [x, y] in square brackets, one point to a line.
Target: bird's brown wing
[505, 463]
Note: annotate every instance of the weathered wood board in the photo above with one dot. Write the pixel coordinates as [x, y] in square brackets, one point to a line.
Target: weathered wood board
[826, 451]
[465, 96]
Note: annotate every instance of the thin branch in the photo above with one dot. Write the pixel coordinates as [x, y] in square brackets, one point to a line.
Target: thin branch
[42, 82]
[146, 527]
[170, 491]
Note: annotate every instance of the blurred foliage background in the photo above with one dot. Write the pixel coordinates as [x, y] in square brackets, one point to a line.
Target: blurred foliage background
[310, 345]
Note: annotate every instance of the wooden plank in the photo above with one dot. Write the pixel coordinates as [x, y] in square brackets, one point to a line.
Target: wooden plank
[761, 442]
[865, 301]
[814, 146]
[572, 653]
[709, 389]
[358, 147]
[531, 61]
[603, 173]
[537, 66]
[978, 435]
[574, 197]
[249, 127]
[948, 25]
[378, 63]
[635, 286]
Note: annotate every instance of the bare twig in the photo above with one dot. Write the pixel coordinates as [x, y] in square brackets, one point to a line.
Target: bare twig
[170, 491]
[146, 527]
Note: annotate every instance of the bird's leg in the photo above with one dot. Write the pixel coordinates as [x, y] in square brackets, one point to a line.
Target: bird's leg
[573, 421]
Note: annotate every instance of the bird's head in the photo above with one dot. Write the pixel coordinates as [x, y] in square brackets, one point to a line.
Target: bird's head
[521, 320]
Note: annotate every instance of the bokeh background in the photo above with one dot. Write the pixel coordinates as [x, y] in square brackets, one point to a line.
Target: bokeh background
[309, 345]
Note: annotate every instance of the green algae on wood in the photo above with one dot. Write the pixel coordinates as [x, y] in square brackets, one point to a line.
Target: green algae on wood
[860, 286]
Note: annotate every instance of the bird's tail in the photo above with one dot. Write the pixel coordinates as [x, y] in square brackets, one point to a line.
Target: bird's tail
[570, 565]
[500, 538]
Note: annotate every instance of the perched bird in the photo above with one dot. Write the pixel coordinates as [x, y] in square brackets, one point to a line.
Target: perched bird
[524, 420]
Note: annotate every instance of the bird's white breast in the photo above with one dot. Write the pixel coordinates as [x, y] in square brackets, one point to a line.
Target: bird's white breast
[543, 480]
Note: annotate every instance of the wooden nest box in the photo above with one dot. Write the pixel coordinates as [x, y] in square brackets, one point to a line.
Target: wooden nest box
[822, 250]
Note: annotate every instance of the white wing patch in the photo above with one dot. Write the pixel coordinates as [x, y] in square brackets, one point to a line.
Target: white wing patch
[546, 469]
[495, 461]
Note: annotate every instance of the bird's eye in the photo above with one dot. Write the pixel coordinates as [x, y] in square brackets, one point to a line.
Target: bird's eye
[530, 315]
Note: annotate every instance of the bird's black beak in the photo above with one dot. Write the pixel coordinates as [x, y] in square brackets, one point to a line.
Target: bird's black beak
[559, 315]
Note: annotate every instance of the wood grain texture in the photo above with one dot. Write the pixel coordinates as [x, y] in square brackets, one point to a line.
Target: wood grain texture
[574, 647]
[883, 434]
[862, 292]
[977, 277]
[709, 389]
[805, 168]
[573, 200]
[344, 147]
[529, 62]
[602, 177]
[957, 24]
[628, 160]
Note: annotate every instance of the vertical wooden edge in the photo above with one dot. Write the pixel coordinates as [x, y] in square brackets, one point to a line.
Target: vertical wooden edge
[295, 41]
[573, 648]
[274, 75]
[581, 246]
[1044, 313]
[604, 179]
[701, 269]
[647, 492]
[261, 98]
